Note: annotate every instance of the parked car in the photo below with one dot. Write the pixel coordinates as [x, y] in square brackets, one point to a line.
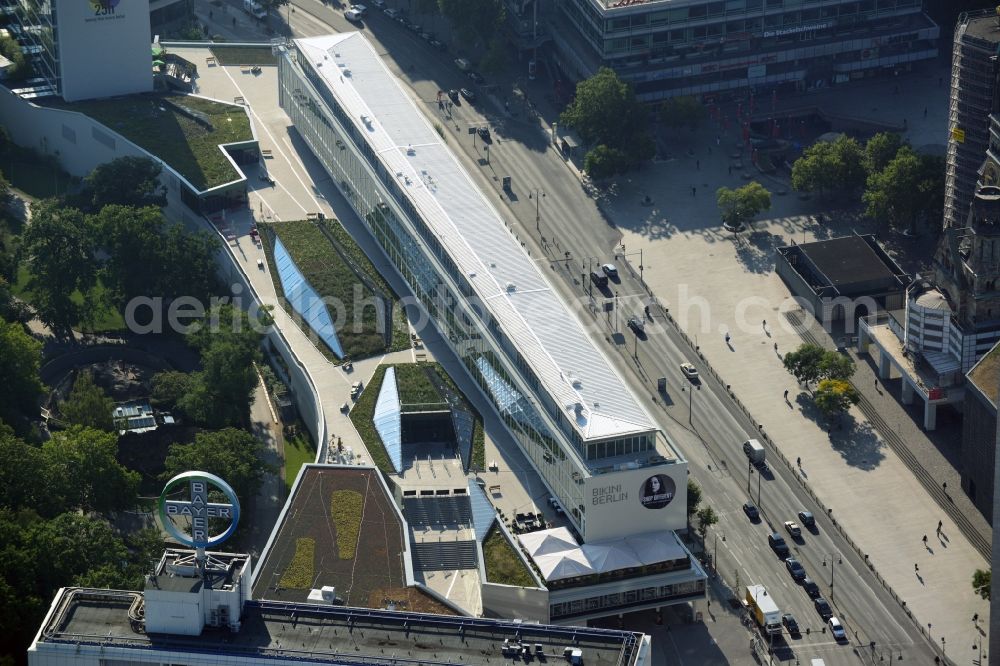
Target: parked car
[468, 94]
[356, 389]
[790, 624]
[438, 45]
[476, 77]
[689, 371]
[426, 36]
[360, 9]
[352, 15]
[453, 95]
[484, 134]
[793, 529]
[837, 629]
[795, 568]
[610, 270]
[394, 14]
[807, 519]
[777, 543]
[751, 510]
[823, 608]
[810, 586]
[379, 3]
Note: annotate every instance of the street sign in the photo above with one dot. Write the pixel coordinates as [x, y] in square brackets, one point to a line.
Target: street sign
[198, 509]
[472, 130]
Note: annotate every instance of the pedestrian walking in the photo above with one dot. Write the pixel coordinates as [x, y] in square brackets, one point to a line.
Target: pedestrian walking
[775, 346]
[940, 524]
[697, 164]
[798, 461]
[916, 568]
[786, 399]
[209, 13]
[925, 539]
[694, 191]
[730, 169]
[944, 487]
[925, 112]
[718, 140]
[763, 323]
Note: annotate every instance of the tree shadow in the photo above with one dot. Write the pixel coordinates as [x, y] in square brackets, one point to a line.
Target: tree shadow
[858, 444]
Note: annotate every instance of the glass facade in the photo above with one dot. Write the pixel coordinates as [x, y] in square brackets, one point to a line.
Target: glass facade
[723, 44]
[618, 602]
[35, 28]
[541, 428]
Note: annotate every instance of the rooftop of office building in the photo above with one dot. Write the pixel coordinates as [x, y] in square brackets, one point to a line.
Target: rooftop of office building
[340, 529]
[101, 618]
[506, 280]
[982, 24]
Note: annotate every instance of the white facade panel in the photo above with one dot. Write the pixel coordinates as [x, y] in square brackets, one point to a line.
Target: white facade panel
[629, 502]
[104, 48]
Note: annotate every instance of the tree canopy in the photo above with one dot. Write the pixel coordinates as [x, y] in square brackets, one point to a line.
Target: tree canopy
[742, 204]
[84, 471]
[88, 405]
[234, 455]
[810, 363]
[982, 580]
[835, 396]
[20, 360]
[694, 497]
[474, 22]
[58, 251]
[125, 181]
[880, 149]
[836, 167]
[706, 518]
[909, 186]
[606, 113]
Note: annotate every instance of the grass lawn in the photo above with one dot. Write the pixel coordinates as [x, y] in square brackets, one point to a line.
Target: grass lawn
[190, 146]
[415, 389]
[104, 318]
[244, 55]
[503, 565]
[299, 451]
[361, 417]
[346, 507]
[336, 280]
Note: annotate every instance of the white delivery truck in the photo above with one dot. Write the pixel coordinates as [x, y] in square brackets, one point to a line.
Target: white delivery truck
[255, 9]
[755, 451]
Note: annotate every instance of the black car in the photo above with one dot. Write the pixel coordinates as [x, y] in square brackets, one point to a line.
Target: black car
[778, 544]
[807, 520]
[638, 326]
[476, 77]
[823, 608]
[484, 134]
[790, 624]
[453, 95]
[438, 45]
[810, 586]
[468, 94]
[795, 568]
[751, 511]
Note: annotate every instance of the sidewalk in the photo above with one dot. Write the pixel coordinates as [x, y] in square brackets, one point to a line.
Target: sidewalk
[696, 268]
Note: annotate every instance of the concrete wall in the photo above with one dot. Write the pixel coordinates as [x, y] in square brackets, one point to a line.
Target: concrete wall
[526, 603]
[104, 48]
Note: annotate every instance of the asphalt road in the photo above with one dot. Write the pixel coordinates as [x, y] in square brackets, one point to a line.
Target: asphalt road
[566, 219]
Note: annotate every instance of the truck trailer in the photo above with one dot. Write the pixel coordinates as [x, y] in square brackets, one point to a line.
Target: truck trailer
[764, 610]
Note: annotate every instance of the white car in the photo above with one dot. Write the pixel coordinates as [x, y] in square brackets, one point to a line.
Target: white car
[689, 370]
[837, 629]
[360, 9]
[610, 270]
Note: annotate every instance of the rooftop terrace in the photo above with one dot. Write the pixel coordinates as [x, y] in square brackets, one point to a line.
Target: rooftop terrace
[324, 633]
[184, 131]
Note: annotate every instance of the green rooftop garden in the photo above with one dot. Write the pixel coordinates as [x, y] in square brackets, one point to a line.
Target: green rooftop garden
[183, 131]
[503, 565]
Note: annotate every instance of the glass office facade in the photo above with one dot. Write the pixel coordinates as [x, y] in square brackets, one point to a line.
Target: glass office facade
[541, 427]
[714, 45]
[34, 26]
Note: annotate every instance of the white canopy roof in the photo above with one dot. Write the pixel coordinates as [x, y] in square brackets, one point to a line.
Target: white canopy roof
[557, 554]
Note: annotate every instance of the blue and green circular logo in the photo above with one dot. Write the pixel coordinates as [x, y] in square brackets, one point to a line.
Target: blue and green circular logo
[198, 509]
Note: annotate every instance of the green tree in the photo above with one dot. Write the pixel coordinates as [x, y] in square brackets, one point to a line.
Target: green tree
[694, 497]
[222, 391]
[602, 162]
[84, 471]
[473, 22]
[88, 405]
[20, 360]
[982, 579]
[72, 544]
[680, 112]
[126, 181]
[58, 251]
[189, 264]
[804, 362]
[825, 167]
[880, 150]
[910, 185]
[605, 111]
[494, 63]
[835, 396]
[169, 387]
[836, 366]
[234, 455]
[24, 473]
[706, 518]
[742, 204]
[20, 68]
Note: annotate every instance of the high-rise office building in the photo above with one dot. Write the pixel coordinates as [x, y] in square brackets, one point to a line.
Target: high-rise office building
[698, 47]
[85, 49]
[973, 99]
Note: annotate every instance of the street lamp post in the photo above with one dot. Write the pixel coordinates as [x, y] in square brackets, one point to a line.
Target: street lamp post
[833, 560]
[537, 194]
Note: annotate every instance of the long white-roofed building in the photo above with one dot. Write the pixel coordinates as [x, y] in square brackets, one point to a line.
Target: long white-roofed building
[595, 446]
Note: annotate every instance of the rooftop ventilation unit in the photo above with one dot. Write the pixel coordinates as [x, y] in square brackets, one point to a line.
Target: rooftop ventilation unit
[511, 287]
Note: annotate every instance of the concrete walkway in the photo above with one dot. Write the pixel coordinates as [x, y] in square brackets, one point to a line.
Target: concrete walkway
[716, 284]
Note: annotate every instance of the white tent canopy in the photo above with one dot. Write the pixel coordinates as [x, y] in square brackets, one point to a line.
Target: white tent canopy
[558, 556]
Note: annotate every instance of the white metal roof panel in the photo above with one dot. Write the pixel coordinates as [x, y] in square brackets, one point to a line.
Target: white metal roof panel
[550, 337]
